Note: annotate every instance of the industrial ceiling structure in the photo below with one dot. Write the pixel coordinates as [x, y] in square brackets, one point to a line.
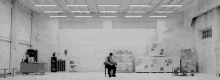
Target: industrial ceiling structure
[107, 8]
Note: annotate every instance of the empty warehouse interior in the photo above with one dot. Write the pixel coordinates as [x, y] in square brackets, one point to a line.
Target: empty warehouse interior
[70, 39]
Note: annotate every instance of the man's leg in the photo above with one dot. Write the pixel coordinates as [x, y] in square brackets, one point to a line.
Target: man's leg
[114, 71]
[109, 70]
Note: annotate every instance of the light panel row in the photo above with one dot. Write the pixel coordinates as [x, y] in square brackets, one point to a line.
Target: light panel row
[109, 5]
[111, 16]
[108, 11]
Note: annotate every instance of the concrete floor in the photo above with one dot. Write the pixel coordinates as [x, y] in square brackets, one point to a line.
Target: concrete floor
[120, 76]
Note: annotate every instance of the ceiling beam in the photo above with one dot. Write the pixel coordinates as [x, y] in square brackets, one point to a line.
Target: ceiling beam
[179, 15]
[124, 5]
[168, 3]
[154, 4]
[92, 6]
[186, 5]
[29, 6]
[174, 2]
[62, 5]
[157, 6]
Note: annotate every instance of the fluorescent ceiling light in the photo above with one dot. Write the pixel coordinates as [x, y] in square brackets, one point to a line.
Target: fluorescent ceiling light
[133, 16]
[81, 11]
[108, 11]
[139, 5]
[171, 5]
[53, 11]
[158, 16]
[109, 5]
[58, 16]
[108, 16]
[45, 5]
[76, 5]
[83, 16]
[164, 11]
[137, 11]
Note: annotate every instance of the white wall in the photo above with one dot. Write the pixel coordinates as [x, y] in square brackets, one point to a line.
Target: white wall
[14, 29]
[5, 27]
[44, 36]
[203, 22]
[5, 21]
[21, 32]
[210, 19]
[95, 44]
[92, 45]
[175, 36]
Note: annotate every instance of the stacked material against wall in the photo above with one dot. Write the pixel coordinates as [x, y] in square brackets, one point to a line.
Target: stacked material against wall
[124, 59]
[156, 64]
[157, 49]
[189, 59]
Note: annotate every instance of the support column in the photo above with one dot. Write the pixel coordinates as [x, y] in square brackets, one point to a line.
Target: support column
[13, 35]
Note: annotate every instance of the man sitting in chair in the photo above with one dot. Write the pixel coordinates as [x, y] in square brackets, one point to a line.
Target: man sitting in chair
[110, 65]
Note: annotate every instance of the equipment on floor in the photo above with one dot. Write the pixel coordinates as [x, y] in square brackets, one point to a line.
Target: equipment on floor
[27, 68]
[30, 54]
[156, 64]
[54, 63]
[72, 66]
[31, 65]
[61, 65]
[182, 69]
[5, 69]
[57, 65]
[125, 60]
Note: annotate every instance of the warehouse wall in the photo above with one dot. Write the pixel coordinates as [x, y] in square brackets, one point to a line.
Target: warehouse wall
[44, 36]
[5, 27]
[175, 36]
[207, 17]
[95, 44]
[176, 33]
[20, 34]
[15, 26]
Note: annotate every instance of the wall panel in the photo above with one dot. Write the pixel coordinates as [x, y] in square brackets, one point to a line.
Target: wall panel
[5, 54]
[5, 20]
[17, 57]
[133, 24]
[81, 23]
[93, 45]
[23, 24]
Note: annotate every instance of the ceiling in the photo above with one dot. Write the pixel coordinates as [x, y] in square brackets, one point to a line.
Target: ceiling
[93, 7]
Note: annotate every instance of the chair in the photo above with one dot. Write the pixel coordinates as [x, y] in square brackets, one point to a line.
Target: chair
[106, 70]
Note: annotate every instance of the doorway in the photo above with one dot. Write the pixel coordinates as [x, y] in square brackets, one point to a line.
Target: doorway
[208, 62]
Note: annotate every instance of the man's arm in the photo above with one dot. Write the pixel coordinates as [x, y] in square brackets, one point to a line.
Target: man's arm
[106, 60]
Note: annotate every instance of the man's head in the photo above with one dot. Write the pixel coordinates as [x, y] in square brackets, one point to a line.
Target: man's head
[110, 54]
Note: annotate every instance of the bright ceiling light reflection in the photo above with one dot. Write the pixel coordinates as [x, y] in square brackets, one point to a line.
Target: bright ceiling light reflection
[83, 16]
[171, 5]
[108, 5]
[157, 16]
[108, 16]
[76, 5]
[133, 16]
[139, 5]
[58, 16]
[45, 5]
